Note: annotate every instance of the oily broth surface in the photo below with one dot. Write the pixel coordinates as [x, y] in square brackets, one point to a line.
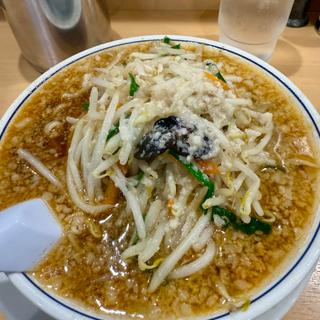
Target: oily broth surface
[86, 265]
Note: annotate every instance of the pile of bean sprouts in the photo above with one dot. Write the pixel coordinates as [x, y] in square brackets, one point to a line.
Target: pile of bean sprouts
[164, 200]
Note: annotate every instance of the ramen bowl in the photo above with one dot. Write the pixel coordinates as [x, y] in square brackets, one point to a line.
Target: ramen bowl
[277, 294]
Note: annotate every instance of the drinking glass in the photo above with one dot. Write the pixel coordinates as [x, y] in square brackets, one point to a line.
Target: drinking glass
[253, 25]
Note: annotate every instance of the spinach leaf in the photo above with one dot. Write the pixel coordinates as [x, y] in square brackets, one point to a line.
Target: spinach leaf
[85, 106]
[140, 175]
[133, 85]
[166, 40]
[198, 174]
[249, 228]
[220, 76]
[228, 216]
[113, 131]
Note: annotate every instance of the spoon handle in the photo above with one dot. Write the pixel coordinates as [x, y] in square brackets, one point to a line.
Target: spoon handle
[27, 232]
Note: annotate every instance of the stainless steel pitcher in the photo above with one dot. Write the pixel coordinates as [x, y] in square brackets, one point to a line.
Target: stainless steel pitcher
[49, 31]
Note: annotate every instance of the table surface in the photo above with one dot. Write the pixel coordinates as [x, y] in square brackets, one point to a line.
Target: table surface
[297, 55]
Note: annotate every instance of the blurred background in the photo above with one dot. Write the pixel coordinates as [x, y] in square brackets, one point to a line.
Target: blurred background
[168, 5]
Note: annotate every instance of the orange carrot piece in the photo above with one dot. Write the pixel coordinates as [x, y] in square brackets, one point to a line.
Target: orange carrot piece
[215, 79]
[170, 203]
[208, 166]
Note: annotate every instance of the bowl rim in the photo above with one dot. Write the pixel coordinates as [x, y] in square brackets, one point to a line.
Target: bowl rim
[287, 279]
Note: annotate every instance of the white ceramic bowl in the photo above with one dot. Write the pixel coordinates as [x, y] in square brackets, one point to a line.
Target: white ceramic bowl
[279, 290]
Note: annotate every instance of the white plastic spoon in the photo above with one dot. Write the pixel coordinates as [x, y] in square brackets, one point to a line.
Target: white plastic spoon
[28, 231]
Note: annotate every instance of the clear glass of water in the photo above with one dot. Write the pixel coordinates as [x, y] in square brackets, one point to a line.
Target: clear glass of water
[253, 25]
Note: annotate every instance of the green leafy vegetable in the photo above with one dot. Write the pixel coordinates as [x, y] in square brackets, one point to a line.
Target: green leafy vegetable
[135, 238]
[133, 85]
[85, 106]
[140, 175]
[177, 46]
[166, 40]
[220, 76]
[249, 228]
[228, 216]
[253, 226]
[198, 174]
[246, 305]
[112, 132]
[217, 74]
